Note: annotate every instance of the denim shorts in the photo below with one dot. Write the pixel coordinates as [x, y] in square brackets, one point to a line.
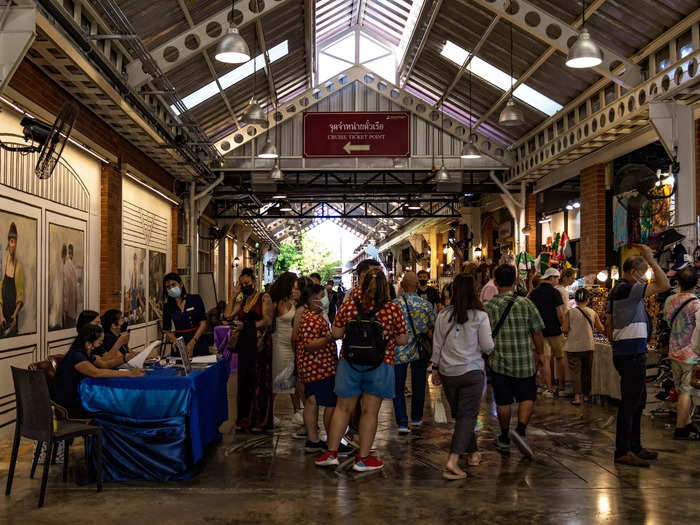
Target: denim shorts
[322, 391]
[352, 383]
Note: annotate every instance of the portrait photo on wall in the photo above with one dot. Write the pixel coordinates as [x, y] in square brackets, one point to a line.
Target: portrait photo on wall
[134, 284]
[66, 276]
[17, 275]
[156, 272]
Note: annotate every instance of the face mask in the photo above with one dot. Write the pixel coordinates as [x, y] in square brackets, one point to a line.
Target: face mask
[325, 303]
[174, 292]
[423, 282]
[247, 289]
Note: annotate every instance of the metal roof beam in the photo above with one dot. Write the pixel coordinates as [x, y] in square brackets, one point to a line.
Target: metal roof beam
[309, 40]
[268, 71]
[471, 55]
[175, 47]
[592, 8]
[541, 24]
[393, 93]
[403, 78]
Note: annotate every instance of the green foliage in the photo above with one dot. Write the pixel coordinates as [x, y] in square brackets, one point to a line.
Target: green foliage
[314, 257]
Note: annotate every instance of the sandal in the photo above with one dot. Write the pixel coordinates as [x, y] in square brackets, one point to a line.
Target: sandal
[451, 476]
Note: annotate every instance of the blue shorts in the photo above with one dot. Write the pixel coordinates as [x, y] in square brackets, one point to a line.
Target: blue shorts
[323, 391]
[352, 383]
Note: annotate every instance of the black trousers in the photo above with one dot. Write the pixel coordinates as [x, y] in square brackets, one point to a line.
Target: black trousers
[633, 371]
[464, 393]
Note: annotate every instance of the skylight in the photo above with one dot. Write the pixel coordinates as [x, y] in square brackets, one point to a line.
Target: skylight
[343, 54]
[500, 79]
[232, 77]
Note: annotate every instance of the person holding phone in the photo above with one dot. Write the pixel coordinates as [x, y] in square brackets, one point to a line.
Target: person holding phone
[116, 340]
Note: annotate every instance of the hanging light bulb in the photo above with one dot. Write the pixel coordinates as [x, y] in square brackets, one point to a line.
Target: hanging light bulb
[602, 276]
[511, 115]
[254, 114]
[648, 274]
[443, 175]
[584, 52]
[276, 173]
[469, 149]
[268, 151]
[232, 49]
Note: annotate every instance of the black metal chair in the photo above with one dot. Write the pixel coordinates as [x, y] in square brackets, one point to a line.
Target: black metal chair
[35, 420]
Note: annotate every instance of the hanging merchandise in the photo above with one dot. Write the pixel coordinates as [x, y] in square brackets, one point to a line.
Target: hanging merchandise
[542, 262]
[634, 212]
[679, 260]
[564, 252]
[646, 221]
[620, 237]
[524, 262]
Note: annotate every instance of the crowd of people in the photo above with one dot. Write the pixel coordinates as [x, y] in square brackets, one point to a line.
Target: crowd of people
[521, 339]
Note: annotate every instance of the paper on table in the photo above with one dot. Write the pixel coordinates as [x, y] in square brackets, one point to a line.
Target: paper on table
[140, 358]
[201, 359]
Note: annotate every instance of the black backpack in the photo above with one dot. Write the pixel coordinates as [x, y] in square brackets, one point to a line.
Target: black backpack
[364, 343]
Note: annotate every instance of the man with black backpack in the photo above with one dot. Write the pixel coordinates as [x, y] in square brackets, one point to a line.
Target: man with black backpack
[515, 321]
[371, 326]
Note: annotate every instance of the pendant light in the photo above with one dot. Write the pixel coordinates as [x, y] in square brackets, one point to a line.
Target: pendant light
[255, 114]
[511, 115]
[584, 52]
[232, 49]
[469, 149]
[276, 174]
[269, 150]
[442, 175]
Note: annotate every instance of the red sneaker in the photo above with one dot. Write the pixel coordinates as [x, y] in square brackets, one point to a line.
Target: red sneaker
[367, 464]
[327, 459]
[672, 396]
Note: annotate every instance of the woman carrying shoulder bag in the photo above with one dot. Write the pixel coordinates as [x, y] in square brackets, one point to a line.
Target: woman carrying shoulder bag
[462, 334]
[579, 324]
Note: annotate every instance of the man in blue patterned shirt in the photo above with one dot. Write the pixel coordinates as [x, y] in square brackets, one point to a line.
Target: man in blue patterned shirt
[420, 319]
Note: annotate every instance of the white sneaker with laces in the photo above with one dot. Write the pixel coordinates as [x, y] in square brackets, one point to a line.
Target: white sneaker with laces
[298, 417]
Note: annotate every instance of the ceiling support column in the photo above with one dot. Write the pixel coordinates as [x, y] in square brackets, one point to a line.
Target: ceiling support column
[435, 253]
[674, 124]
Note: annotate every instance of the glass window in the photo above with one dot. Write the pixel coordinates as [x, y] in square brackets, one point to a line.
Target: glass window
[232, 77]
[500, 79]
[329, 66]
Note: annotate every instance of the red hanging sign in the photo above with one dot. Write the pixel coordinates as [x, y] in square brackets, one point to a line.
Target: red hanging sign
[370, 134]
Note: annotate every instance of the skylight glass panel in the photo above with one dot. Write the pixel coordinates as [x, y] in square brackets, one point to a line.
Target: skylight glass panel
[500, 79]
[329, 66]
[385, 67]
[232, 77]
[410, 26]
[344, 49]
[369, 50]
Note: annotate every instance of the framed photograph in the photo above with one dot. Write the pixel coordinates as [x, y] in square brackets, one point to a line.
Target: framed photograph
[134, 267]
[156, 272]
[18, 271]
[66, 277]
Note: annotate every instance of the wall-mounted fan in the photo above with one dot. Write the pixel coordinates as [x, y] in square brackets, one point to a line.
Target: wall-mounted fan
[49, 141]
[643, 179]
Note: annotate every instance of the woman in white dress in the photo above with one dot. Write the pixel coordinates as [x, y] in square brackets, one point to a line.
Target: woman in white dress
[285, 295]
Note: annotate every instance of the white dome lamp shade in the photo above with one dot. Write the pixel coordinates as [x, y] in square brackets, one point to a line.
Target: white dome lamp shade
[470, 151]
[511, 115]
[232, 49]
[584, 52]
[442, 174]
[268, 151]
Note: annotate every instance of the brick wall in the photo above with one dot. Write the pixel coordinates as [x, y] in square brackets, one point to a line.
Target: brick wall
[593, 225]
[111, 238]
[40, 89]
[531, 218]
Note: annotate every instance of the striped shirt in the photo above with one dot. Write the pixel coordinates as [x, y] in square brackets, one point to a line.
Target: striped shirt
[630, 321]
[512, 355]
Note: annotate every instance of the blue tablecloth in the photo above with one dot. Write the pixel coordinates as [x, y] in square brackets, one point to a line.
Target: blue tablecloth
[156, 427]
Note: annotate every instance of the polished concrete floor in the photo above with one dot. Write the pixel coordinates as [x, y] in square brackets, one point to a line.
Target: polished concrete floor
[573, 480]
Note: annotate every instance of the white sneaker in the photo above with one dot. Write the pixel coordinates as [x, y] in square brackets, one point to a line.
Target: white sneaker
[298, 417]
[300, 434]
[549, 394]
[404, 430]
[276, 422]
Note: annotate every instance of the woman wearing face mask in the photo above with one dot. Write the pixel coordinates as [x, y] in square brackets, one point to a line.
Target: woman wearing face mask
[12, 287]
[78, 364]
[187, 314]
[253, 313]
[116, 341]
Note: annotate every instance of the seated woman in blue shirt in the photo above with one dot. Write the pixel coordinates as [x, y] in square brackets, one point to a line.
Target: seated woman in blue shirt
[78, 364]
[185, 312]
[116, 341]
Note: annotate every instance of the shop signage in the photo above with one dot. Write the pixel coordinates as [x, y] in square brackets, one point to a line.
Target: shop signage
[370, 134]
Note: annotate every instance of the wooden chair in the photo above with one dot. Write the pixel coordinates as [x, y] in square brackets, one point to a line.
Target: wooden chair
[35, 420]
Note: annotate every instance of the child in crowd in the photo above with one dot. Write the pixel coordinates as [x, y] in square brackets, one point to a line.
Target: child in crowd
[316, 365]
